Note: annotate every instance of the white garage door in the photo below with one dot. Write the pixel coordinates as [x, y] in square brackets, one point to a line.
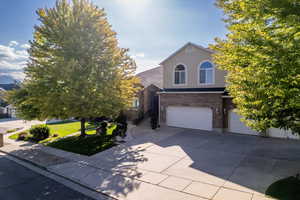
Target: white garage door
[235, 125]
[280, 133]
[190, 117]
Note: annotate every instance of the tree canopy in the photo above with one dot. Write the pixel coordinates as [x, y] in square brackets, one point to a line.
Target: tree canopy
[75, 67]
[262, 56]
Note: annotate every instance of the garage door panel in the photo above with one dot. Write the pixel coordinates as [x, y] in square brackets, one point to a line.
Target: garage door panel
[280, 133]
[190, 117]
[235, 125]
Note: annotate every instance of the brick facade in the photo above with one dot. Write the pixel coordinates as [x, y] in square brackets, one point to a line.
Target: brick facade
[211, 100]
[220, 106]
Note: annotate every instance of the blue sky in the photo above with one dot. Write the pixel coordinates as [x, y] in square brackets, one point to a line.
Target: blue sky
[151, 29]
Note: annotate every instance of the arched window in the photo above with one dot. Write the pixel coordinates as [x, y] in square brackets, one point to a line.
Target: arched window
[206, 73]
[180, 74]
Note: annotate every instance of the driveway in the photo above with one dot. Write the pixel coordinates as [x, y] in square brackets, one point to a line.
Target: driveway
[179, 164]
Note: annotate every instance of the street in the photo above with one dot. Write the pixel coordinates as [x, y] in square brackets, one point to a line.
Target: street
[7, 124]
[20, 183]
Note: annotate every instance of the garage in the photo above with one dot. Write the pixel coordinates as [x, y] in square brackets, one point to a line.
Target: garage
[190, 117]
[235, 125]
[280, 133]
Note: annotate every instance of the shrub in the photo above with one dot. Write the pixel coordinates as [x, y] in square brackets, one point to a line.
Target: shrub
[121, 119]
[285, 189]
[22, 136]
[98, 120]
[102, 129]
[120, 130]
[39, 132]
[154, 121]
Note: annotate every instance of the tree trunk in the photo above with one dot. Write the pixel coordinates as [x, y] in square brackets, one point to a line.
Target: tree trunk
[82, 130]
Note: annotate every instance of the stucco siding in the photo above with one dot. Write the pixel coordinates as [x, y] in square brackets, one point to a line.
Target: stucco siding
[191, 57]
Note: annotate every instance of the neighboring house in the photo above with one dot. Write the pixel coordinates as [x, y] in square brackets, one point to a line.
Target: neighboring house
[151, 83]
[194, 95]
[11, 111]
[2, 110]
[7, 110]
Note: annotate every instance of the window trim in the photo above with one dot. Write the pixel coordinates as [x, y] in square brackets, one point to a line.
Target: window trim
[213, 73]
[185, 70]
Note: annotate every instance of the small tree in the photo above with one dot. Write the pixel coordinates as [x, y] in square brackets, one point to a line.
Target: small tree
[262, 56]
[75, 68]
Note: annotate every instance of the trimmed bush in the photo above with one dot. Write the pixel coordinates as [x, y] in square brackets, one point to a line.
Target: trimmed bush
[23, 135]
[285, 189]
[121, 119]
[102, 129]
[39, 132]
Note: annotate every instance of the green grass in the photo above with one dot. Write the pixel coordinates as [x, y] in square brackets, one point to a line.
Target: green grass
[63, 129]
[13, 130]
[15, 136]
[86, 146]
[285, 189]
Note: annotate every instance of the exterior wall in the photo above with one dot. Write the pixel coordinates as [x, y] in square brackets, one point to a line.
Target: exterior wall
[149, 94]
[145, 96]
[227, 105]
[211, 100]
[191, 57]
[134, 113]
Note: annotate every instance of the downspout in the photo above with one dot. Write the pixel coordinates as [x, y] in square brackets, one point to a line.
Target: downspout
[159, 109]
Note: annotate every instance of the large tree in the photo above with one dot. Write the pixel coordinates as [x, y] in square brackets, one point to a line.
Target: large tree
[262, 56]
[75, 68]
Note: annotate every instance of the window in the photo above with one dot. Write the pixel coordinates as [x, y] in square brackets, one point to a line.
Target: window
[206, 73]
[180, 74]
[135, 103]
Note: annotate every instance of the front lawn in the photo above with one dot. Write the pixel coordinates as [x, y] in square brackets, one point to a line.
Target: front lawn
[86, 146]
[63, 129]
[60, 139]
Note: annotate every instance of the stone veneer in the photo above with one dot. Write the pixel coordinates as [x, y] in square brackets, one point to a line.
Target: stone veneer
[211, 100]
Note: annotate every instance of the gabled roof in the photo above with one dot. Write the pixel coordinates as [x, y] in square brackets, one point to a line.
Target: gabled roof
[187, 44]
[152, 76]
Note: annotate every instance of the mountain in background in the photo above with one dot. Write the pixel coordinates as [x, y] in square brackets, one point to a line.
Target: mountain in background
[6, 79]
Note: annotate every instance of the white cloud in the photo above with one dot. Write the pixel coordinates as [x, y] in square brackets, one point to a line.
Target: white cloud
[145, 64]
[13, 43]
[25, 46]
[138, 55]
[12, 61]
[10, 53]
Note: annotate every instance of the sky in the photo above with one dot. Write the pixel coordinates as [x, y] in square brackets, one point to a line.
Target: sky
[151, 29]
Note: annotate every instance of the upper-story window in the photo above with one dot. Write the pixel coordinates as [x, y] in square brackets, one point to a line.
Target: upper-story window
[180, 74]
[206, 73]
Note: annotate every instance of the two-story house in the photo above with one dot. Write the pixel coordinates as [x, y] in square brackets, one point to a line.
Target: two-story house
[194, 96]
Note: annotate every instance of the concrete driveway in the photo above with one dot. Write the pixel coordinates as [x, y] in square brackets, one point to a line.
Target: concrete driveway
[179, 164]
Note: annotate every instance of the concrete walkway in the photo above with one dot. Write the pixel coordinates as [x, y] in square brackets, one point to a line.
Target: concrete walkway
[175, 164]
[12, 123]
